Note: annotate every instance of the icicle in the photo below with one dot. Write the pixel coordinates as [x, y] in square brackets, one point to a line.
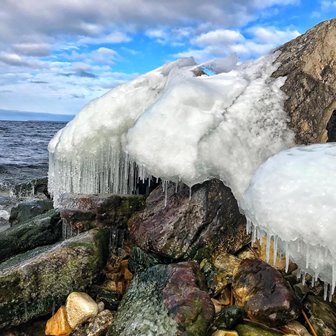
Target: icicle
[53, 308]
[248, 226]
[325, 291]
[287, 257]
[254, 234]
[190, 193]
[268, 247]
[275, 249]
[166, 192]
[313, 282]
[307, 256]
[303, 279]
[176, 187]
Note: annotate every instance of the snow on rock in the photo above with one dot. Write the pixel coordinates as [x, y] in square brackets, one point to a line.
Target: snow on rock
[173, 125]
[292, 198]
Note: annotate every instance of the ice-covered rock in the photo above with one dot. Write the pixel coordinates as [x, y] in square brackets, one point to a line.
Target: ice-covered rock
[292, 199]
[173, 125]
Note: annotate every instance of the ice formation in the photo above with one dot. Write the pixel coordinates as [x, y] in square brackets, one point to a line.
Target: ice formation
[173, 125]
[292, 200]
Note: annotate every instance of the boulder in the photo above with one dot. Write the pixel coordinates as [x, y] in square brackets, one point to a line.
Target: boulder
[83, 212]
[310, 83]
[42, 230]
[33, 282]
[165, 300]
[189, 226]
[264, 294]
[252, 330]
[27, 210]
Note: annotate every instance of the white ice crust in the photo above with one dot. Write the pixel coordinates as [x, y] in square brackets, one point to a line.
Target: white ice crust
[173, 125]
[292, 197]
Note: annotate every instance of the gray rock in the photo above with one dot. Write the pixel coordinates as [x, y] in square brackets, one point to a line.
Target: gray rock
[36, 187]
[24, 211]
[310, 85]
[165, 300]
[33, 282]
[42, 230]
[190, 227]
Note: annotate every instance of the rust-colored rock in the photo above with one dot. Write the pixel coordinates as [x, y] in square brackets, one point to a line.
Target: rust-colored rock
[58, 324]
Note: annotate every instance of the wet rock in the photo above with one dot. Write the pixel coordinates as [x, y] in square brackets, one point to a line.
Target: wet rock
[80, 307]
[111, 299]
[41, 230]
[228, 318]
[140, 260]
[252, 330]
[58, 324]
[295, 328]
[33, 282]
[264, 294]
[165, 300]
[322, 315]
[310, 83]
[36, 187]
[189, 227]
[82, 212]
[96, 326]
[27, 210]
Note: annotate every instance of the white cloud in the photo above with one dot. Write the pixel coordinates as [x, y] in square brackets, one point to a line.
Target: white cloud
[219, 36]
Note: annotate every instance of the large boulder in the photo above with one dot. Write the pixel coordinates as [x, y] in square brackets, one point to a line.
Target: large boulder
[191, 223]
[42, 230]
[309, 64]
[264, 294]
[31, 284]
[165, 300]
[35, 188]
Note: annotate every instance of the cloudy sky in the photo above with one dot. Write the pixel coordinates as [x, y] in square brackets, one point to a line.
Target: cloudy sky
[56, 55]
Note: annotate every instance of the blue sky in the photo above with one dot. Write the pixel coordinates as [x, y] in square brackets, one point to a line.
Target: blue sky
[57, 55]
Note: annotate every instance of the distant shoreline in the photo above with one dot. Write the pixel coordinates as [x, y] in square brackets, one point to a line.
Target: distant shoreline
[11, 115]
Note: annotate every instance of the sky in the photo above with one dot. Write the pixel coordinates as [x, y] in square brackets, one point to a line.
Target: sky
[57, 55]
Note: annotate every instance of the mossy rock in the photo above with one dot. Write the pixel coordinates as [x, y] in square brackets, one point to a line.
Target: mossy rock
[33, 282]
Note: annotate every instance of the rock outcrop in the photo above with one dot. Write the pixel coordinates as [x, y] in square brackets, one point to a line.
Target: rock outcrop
[309, 62]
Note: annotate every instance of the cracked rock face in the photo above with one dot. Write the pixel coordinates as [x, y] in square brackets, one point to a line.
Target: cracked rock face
[189, 226]
[309, 62]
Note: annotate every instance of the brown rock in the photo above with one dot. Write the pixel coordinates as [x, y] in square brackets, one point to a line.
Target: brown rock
[225, 333]
[295, 328]
[190, 227]
[58, 324]
[264, 294]
[309, 62]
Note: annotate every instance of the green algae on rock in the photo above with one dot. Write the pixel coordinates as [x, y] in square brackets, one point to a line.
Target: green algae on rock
[33, 282]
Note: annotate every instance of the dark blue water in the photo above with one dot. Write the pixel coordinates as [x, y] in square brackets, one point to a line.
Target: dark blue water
[23, 150]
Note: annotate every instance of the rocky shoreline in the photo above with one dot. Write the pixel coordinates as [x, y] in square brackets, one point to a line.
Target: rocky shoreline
[187, 268]
[176, 261]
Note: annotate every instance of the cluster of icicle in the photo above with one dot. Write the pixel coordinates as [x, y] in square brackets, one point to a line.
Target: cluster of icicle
[308, 258]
